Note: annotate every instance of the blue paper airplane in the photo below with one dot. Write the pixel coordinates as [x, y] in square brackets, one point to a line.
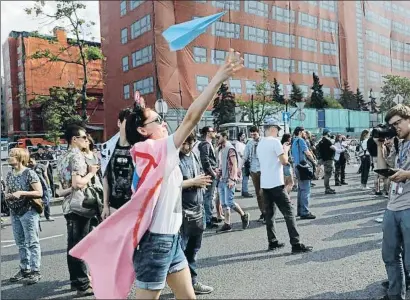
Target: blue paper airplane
[180, 35]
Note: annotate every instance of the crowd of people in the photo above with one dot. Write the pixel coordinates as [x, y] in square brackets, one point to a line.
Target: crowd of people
[196, 191]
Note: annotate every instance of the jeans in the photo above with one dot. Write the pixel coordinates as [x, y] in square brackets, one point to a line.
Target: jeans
[396, 240]
[226, 195]
[280, 197]
[47, 205]
[26, 233]
[208, 198]
[328, 166]
[77, 228]
[191, 245]
[256, 179]
[365, 169]
[245, 181]
[303, 195]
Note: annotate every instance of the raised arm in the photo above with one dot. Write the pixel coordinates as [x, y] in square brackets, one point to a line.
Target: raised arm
[194, 114]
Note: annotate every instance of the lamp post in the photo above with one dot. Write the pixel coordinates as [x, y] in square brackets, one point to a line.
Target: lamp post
[300, 105]
[161, 107]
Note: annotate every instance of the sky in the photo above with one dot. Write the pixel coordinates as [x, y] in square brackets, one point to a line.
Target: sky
[14, 18]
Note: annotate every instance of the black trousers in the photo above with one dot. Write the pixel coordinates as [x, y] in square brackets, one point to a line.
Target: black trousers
[190, 245]
[77, 228]
[340, 171]
[365, 169]
[280, 197]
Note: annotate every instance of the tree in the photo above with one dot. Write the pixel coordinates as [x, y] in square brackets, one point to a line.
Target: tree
[276, 93]
[58, 110]
[296, 95]
[224, 106]
[394, 85]
[332, 103]
[359, 99]
[347, 97]
[69, 11]
[317, 99]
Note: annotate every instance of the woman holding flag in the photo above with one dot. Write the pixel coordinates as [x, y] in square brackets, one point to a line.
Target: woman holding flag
[141, 239]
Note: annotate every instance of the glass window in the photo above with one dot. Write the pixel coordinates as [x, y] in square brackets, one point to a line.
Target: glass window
[124, 35]
[141, 26]
[329, 5]
[228, 4]
[142, 56]
[305, 90]
[123, 7]
[326, 91]
[225, 29]
[305, 67]
[311, 2]
[307, 20]
[257, 8]
[283, 65]
[328, 48]
[330, 71]
[384, 41]
[201, 82]
[144, 86]
[256, 34]
[328, 26]
[336, 93]
[126, 91]
[307, 44]
[250, 87]
[218, 57]
[125, 64]
[135, 3]
[200, 54]
[283, 40]
[253, 61]
[283, 14]
[236, 86]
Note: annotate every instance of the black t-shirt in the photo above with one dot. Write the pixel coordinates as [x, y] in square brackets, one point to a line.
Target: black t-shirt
[326, 153]
[120, 172]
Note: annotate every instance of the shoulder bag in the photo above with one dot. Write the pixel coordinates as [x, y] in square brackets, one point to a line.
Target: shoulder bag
[305, 170]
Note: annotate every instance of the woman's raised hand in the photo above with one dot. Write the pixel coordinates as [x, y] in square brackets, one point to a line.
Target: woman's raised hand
[233, 63]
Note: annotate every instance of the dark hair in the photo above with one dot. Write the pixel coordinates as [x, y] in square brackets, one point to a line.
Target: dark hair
[285, 138]
[124, 113]
[363, 134]
[135, 119]
[240, 134]
[253, 129]
[224, 133]
[91, 143]
[400, 110]
[191, 138]
[205, 130]
[72, 131]
[298, 130]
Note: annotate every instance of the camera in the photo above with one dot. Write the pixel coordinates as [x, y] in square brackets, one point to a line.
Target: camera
[383, 131]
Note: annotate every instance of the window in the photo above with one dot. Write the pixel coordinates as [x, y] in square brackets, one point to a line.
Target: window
[407, 48]
[200, 1]
[200, 54]
[250, 87]
[398, 64]
[124, 35]
[314, 3]
[328, 26]
[373, 56]
[283, 40]
[397, 46]
[372, 36]
[283, 65]
[384, 41]
[225, 29]
[201, 82]
[307, 20]
[329, 5]
[236, 86]
[373, 76]
[144, 86]
[330, 71]
[142, 56]
[336, 93]
[304, 89]
[20, 76]
[141, 26]
[283, 14]
[328, 48]
[326, 91]
[256, 34]
[228, 4]
[218, 57]
[253, 61]
[385, 61]
[135, 3]
[126, 91]
[257, 8]
[125, 64]
[307, 67]
[21, 87]
[19, 50]
[123, 7]
[375, 18]
[307, 44]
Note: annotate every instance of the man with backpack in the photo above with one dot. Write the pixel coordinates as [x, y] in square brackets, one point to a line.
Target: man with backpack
[327, 152]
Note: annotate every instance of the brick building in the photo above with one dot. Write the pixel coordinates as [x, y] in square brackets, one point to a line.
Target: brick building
[3, 110]
[25, 78]
[357, 41]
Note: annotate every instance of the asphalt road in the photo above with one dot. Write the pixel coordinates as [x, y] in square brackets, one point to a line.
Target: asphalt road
[345, 264]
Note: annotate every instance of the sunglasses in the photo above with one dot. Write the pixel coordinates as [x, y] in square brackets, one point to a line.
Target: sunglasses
[84, 137]
[159, 120]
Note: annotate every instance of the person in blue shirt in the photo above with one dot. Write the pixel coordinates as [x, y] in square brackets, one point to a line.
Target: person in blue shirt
[301, 152]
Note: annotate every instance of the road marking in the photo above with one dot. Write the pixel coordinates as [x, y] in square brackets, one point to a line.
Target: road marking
[42, 239]
[8, 241]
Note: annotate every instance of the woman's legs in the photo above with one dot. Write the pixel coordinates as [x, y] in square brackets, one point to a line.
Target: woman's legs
[181, 284]
[147, 294]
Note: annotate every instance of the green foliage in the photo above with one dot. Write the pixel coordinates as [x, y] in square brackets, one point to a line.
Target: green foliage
[296, 95]
[331, 102]
[224, 107]
[392, 86]
[276, 92]
[58, 110]
[347, 97]
[317, 99]
[359, 99]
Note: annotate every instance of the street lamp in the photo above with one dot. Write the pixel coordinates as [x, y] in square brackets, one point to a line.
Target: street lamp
[161, 107]
[301, 105]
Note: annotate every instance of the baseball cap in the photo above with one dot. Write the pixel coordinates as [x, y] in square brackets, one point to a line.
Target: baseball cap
[273, 122]
[326, 131]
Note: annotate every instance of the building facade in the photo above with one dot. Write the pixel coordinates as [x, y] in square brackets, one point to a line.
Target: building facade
[3, 110]
[354, 41]
[26, 78]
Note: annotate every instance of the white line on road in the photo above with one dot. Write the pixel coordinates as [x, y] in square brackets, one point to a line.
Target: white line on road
[42, 239]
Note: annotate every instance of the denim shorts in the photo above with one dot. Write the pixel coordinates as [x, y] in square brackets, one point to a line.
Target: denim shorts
[156, 256]
[287, 171]
[226, 195]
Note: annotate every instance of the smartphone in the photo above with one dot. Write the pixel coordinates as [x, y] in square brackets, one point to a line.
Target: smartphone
[386, 172]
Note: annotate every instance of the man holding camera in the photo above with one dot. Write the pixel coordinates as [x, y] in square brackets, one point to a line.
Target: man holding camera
[396, 220]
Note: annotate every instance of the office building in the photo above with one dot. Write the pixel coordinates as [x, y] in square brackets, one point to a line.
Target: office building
[3, 110]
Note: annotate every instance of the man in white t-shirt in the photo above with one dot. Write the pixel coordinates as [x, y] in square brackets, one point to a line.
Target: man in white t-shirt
[272, 157]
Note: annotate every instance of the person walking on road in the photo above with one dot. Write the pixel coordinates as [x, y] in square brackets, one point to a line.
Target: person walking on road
[272, 157]
[340, 161]
[240, 149]
[327, 155]
[364, 158]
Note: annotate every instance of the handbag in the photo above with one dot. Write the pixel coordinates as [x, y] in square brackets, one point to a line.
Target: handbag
[37, 204]
[87, 202]
[305, 170]
[193, 221]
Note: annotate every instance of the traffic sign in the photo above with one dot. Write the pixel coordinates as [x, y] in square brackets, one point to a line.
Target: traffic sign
[398, 99]
[285, 116]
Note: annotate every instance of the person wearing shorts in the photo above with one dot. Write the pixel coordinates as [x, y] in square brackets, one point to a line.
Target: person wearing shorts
[287, 169]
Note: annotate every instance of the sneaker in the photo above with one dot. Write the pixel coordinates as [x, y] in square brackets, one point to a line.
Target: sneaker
[247, 195]
[20, 275]
[275, 246]
[245, 220]
[312, 184]
[344, 183]
[33, 278]
[338, 184]
[300, 248]
[216, 220]
[202, 289]
[309, 216]
[50, 219]
[211, 225]
[330, 192]
[378, 194]
[87, 292]
[225, 228]
[261, 218]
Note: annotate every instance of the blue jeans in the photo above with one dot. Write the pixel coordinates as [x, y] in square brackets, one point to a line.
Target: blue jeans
[208, 198]
[190, 245]
[303, 195]
[245, 180]
[26, 233]
[396, 240]
[226, 195]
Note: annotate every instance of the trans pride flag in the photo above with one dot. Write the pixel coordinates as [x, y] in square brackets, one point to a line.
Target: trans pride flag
[109, 248]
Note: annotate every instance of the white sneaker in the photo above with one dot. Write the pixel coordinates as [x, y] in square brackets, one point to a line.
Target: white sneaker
[379, 220]
[202, 289]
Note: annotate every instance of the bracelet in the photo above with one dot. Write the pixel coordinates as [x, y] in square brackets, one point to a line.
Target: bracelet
[232, 179]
